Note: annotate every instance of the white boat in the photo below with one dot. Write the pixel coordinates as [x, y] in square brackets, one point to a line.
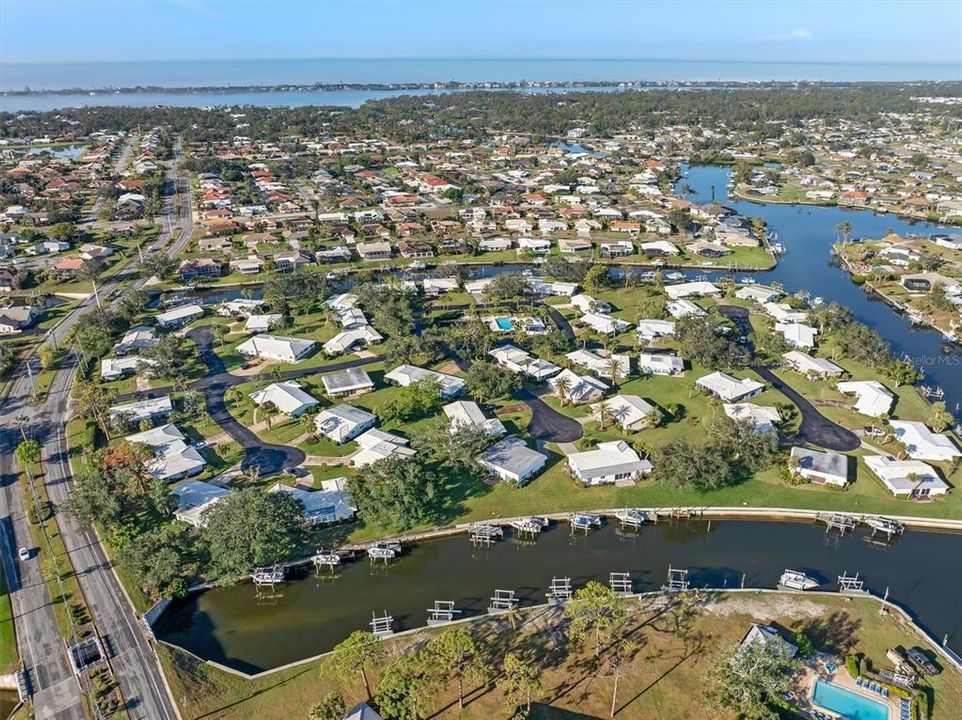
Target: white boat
[818, 300]
[795, 580]
[632, 516]
[532, 525]
[674, 275]
[584, 520]
[384, 550]
[268, 575]
[746, 280]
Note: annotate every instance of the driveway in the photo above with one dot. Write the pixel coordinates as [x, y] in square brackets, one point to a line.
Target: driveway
[548, 424]
[269, 459]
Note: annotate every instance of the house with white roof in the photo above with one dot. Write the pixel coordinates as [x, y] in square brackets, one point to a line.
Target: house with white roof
[287, 396]
[763, 418]
[605, 324]
[179, 316]
[609, 463]
[436, 286]
[758, 293]
[116, 368]
[872, 398]
[797, 335]
[449, 386]
[343, 423]
[906, 478]
[784, 313]
[586, 303]
[377, 445]
[344, 301]
[465, 413]
[174, 458]
[649, 329]
[692, 289]
[630, 411]
[923, 444]
[815, 367]
[152, 409]
[511, 459]
[600, 364]
[519, 361]
[321, 507]
[194, 499]
[347, 382]
[353, 339]
[827, 468]
[660, 364]
[239, 307]
[557, 288]
[728, 388]
[581, 389]
[136, 339]
[276, 347]
[261, 323]
[683, 308]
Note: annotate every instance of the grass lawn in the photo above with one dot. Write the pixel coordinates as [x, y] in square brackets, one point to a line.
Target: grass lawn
[8, 636]
[675, 650]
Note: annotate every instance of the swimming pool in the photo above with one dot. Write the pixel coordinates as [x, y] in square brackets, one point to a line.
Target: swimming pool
[846, 703]
[504, 323]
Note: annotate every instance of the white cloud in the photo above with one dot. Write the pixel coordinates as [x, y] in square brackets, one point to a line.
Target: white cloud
[800, 33]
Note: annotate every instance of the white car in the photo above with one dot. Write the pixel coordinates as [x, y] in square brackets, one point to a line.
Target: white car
[24, 553]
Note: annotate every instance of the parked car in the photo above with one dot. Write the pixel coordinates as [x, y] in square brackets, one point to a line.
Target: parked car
[24, 553]
[921, 660]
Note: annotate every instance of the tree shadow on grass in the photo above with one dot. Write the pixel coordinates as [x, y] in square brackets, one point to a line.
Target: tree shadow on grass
[837, 633]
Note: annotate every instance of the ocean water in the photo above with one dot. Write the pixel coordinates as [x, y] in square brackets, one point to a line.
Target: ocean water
[226, 73]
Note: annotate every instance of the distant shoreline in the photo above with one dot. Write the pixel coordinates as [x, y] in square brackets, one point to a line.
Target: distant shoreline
[451, 85]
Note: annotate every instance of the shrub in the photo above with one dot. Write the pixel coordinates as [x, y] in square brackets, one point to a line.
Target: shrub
[852, 665]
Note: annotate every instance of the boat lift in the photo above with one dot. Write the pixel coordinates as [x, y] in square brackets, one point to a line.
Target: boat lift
[851, 584]
[677, 580]
[620, 583]
[559, 591]
[382, 625]
[485, 534]
[502, 602]
[442, 612]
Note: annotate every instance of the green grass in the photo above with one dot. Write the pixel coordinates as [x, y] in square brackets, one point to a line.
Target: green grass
[664, 679]
[8, 636]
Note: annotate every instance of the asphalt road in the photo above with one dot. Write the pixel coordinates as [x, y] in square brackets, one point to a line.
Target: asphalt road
[135, 665]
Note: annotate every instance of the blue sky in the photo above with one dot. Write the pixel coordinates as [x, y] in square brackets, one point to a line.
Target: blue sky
[814, 31]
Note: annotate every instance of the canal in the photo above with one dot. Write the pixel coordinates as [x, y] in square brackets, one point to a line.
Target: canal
[253, 631]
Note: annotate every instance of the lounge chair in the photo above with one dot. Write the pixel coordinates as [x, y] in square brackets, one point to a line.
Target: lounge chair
[885, 692]
[858, 681]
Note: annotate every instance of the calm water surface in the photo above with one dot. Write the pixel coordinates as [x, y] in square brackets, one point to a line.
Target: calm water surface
[309, 616]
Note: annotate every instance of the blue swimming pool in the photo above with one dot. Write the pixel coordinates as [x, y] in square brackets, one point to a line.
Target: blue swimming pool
[848, 704]
[504, 323]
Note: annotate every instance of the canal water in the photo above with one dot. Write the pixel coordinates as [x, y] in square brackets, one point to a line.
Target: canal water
[808, 233]
[252, 631]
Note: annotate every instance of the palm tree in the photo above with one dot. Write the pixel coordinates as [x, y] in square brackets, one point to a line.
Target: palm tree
[614, 369]
[605, 415]
[562, 386]
[20, 422]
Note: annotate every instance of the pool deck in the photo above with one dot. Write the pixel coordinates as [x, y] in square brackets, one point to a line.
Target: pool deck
[843, 680]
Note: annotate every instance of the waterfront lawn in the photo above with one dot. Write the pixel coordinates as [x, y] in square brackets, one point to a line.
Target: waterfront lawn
[665, 678]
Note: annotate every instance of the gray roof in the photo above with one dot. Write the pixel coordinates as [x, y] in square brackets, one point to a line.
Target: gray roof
[826, 463]
[346, 379]
[511, 455]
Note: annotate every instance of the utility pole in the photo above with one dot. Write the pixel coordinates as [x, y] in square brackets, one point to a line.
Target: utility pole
[96, 294]
[33, 383]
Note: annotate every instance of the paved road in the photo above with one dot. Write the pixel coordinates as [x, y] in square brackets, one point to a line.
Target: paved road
[134, 662]
[548, 424]
[815, 428]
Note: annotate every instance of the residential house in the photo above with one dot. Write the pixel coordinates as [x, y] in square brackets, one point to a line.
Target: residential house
[378, 445]
[286, 396]
[194, 499]
[762, 418]
[512, 460]
[348, 382]
[152, 409]
[353, 339]
[797, 335]
[605, 324]
[610, 463]
[827, 468]
[377, 250]
[174, 458]
[577, 389]
[630, 411]
[906, 478]
[683, 308]
[814, 367]
[660, 364]
[872, 398]
[519, 361]
[692, 289]
[199, 268]
[262, 323]
[276, 347]
[449, 386]
[179, 316]
[320, 507]
[923, 444]
[343, 423]
[600, 364]
[15, 318]
[464, 413]
[728, 388]
[649, 329]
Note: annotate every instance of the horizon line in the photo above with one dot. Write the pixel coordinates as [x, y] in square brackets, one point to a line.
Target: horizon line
[490, 59]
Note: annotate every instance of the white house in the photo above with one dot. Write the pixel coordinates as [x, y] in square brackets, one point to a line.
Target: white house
[923, 444]
[692, 289]
[136, 339]
[650, 329]
[518, 361]
[906, 478]
[797, 335]
[343, 423]
[785, 313]
[152, 409]
[344, 383]
[763, 418]
[581, 389]
[174, 458]
[448, 385]
[683, 308]
[827, 468]
[351, 340]
[511, 459]
[464, 413]
[179, 316]
[116, 368]
[728, 388]
[660, 364]
[609, 463]
[629, 411]
[758, 293]
[872, 398]
[812, 366]
[586, 303]
[377, 445]
[261, 323]
[194, 498]
[276, 347]
[321, 507]
[599, 364]
[605, 324]
[287, 396]
[344, 301]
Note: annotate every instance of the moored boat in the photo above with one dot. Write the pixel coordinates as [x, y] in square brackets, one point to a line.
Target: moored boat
[795, 580]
